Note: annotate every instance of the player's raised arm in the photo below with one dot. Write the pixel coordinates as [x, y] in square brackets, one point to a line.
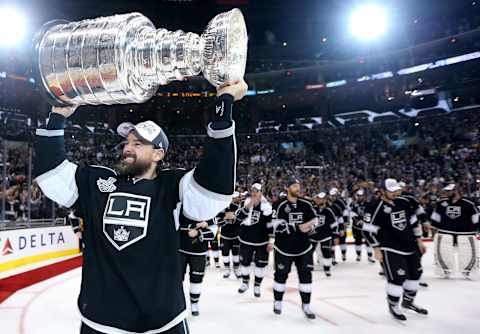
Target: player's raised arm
[54, 173]
[208, 189]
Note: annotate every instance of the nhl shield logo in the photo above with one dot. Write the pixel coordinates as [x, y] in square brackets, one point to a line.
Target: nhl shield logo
[399, 220]
[125, 219]
[453, 212]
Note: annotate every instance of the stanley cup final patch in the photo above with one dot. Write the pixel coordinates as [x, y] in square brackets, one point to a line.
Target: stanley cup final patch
[106, 186]
[125, 219]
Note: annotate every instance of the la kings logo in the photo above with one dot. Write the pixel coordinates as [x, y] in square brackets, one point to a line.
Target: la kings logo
[453, 212]
[399, 220]
[125, 219]
[321, 220]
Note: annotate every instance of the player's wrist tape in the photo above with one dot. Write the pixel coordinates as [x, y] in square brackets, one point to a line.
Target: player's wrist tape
[223, 112]
[56, 121]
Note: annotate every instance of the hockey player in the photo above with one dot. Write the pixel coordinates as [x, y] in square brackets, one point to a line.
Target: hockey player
[194, 238]
[456, 220]
[229, 229]
[358, 211]
[131, 277]
[339, 206]
[324, 231]
[293, 220]
[392, 230]
[254, 215]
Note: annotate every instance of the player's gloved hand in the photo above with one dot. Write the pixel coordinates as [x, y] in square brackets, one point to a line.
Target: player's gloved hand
[193, 233]
[65, 111]
[377, 253]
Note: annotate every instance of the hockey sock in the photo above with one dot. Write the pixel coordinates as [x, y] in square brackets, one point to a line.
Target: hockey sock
[305, 292]
[278, 291]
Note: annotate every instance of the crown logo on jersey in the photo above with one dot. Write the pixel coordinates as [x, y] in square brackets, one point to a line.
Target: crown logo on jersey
[121, 234]
[287, 209]
[106, 186]
[387, 209]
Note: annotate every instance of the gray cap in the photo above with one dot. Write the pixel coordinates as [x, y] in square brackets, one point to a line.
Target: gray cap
[148, 131]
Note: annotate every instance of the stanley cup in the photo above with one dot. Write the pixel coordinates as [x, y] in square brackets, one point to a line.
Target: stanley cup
[123, 59]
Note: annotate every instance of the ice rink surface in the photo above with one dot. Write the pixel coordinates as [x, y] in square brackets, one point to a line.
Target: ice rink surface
[351, 301]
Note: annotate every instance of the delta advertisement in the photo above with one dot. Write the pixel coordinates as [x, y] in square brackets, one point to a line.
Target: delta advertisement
[27, 246]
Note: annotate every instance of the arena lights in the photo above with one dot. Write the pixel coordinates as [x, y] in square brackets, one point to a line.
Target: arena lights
[12, 26]
[368, 22]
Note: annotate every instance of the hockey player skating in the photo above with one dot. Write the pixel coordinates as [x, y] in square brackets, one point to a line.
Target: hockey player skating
[194, 238]
[358, 211]
[456, 220]
[253, 215]
[229, 230]
[325, 230]
[339, 206]
[392, 230]
[131, 278]
[293, 220]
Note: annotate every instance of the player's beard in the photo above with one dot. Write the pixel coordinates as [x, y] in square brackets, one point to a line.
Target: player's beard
[294, 193]
[132, 169]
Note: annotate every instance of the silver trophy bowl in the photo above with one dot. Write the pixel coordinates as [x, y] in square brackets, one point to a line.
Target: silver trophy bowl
[123, 59]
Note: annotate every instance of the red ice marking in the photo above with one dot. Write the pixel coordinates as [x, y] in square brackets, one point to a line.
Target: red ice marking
[21, 329]
[348, 311]
[318, 315]
[11, 284]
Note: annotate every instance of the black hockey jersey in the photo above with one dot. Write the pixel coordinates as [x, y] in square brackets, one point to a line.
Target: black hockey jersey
[418, 209]
[327, 225]
[253, 223]
[229, 228]
[199, 244]
[289, 240]
[460, 217]
[131, 277]
[357, 214]
[392, 227]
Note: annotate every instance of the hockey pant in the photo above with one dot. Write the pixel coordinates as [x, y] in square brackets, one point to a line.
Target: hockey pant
[230, 246]
[256, 254]
[402, 273]
[196, 264]
[283, 266]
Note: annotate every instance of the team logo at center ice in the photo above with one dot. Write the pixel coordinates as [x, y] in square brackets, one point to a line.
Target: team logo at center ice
[454, 212]
[125, 219]
[106, 186]
[399, 220]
